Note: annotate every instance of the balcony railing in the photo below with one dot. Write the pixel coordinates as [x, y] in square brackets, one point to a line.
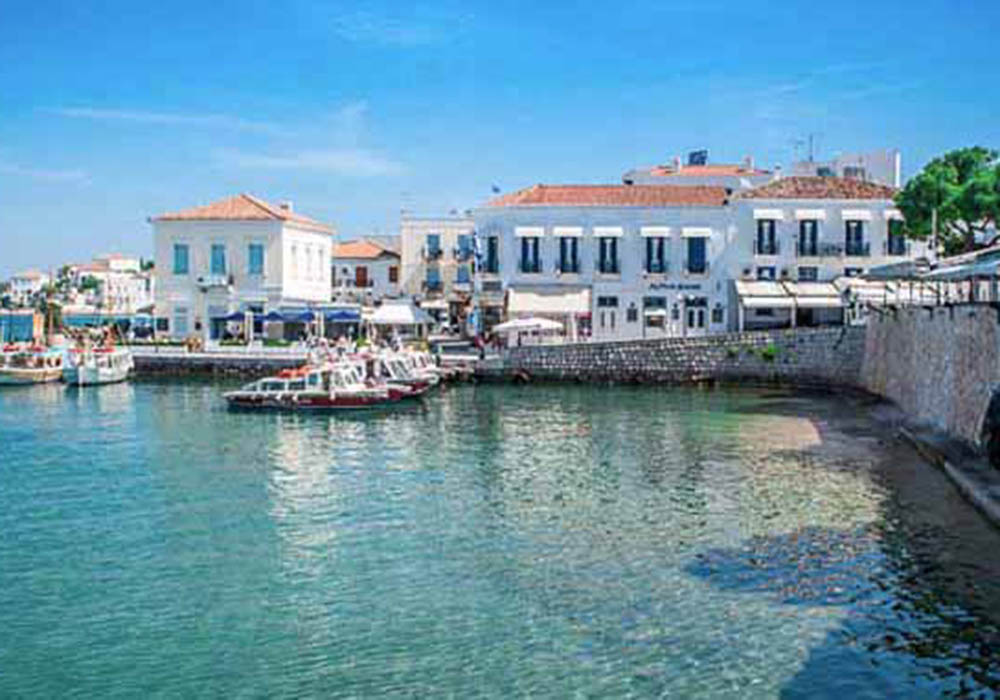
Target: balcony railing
[857, 250]
[568, 267]
[462, 254]
[530, 267]
[433, 286]
[766, 247]
[698, 269]
[609, 267]
[896, 246]
[657, 268]
[432, 253]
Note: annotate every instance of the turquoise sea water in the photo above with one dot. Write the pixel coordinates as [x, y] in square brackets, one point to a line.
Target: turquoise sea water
[489, 542]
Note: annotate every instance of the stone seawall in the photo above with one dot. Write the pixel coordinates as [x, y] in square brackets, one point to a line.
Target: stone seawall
[828, 357]
[150, 364]
[940, 365]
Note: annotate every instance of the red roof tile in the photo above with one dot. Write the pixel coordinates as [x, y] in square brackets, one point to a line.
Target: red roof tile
[242, 207]
[812, 187]
[613, 196]
[360, 249]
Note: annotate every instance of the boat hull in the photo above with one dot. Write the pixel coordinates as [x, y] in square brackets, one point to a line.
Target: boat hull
[318, 402]
[91, 376]
[16, 376]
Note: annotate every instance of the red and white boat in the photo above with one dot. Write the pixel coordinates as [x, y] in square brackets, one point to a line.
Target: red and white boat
[329, 387]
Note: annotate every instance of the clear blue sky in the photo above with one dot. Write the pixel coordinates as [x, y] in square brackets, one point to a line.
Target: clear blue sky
[111, 112]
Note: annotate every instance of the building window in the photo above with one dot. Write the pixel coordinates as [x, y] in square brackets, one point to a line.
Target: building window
[464, 250]
[675, 313]
[531, 262]
[809, 237]
[607, 262]
[765, 273]
[181, 259]
[218, 259]
[607, 302]
[896, 243]
[854, 238]
[631, 314]
[433, 279]
[767, 243]
[433, 245]
[492, 265]
[255, 259]
[808, 274]
[294, 272]
[393, 274]
[718, 314]
[463, 276]
[569, 254]
[656, 262]
[853, 271]
[697, 259]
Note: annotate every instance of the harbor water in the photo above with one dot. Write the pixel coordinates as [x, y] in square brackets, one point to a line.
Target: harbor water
[488, 541]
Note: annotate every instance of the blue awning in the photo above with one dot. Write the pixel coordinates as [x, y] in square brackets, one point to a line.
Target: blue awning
[235, 316]
[343, 316]
[272, 316]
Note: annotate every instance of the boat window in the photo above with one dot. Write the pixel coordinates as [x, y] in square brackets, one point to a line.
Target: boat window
[297, 385]
[313, 379]
[272, 386]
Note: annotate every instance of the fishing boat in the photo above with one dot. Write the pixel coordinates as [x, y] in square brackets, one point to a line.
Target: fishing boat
[29, 365]
[329, 387]
[398, 371]
[89, 366]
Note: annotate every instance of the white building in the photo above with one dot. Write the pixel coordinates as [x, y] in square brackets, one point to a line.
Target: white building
[608, 261]
[883, 167]
[641, 261]
[238, 254]
[365, 271]
[24, 286]
[122, 286]
[438, 260]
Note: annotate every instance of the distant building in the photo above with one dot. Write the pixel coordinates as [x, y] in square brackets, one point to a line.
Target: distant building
[25, 286]
[438, 258]
[365, 270]
[880, 167]
[235, 255]
[122, 286]
[698, 171]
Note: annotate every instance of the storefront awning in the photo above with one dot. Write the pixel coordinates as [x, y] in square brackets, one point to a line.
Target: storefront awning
[814, 295]
[763, 295]
[548, 301]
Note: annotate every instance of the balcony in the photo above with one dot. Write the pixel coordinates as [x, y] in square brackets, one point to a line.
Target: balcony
[433, 286]
[430, 254]
[698, 268]
[530, 267]
[897, 247]
[462, 254]
[766, 247]
[609, 267]
[855, 249]
[657, 268]
[206, 282]
[568, 267]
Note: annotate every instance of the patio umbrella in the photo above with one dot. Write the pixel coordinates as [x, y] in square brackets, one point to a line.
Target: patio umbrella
[272, 316]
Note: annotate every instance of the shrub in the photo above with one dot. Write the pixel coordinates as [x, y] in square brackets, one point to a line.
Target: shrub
[769, 353]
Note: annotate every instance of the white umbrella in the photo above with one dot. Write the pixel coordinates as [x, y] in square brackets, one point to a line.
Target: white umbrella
[528, 324]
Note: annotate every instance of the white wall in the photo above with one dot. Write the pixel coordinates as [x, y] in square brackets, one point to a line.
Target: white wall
[413, 234]
[378, 276]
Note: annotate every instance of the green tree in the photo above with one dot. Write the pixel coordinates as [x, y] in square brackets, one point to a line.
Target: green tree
[89, 282]
[963, 186]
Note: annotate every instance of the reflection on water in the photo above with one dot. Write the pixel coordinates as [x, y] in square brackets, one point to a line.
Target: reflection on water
[495, 541]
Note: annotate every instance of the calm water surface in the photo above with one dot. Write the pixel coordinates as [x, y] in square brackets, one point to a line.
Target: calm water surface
[492, 541]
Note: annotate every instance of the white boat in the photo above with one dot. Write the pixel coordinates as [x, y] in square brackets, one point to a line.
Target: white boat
[100, 365]
[29, 365]
[331, 387]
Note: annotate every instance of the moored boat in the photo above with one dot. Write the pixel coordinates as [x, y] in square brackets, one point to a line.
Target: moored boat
[329, 387]
[29, 365]
[89, 366]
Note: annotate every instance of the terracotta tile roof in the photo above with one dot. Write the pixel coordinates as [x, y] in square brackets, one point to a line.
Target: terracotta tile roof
[242, 207]
[716, 169]
[812, 187]
[613, 196]
[360, 249]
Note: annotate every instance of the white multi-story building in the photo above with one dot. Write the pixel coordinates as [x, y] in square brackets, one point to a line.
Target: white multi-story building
[365, 270]
[24, 286]
[608, 261]
[122, 286]
[438, 259]
[883, 167]
[641, 261]
[238, 254]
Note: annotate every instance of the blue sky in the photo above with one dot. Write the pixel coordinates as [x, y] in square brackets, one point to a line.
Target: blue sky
[112, 112]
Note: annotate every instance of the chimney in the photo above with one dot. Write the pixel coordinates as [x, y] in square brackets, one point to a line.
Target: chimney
[286, 205]
[677, 164]
[748, 163]
[777, 172]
